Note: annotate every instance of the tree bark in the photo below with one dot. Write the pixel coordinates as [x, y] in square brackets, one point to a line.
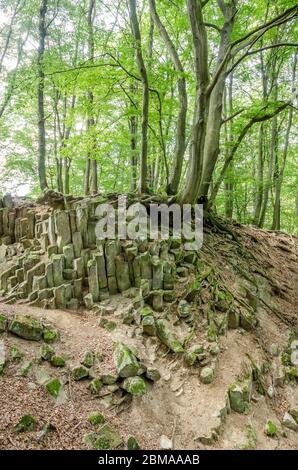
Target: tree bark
[42, 28]
[145, 97]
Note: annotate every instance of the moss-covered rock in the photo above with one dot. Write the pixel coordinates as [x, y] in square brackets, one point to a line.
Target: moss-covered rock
[80, 372]
[54, 387]
[270, 429]
[96, 418]
[132, 444]
[168, 337]
[3, 323]
[207, 375]
[240, 395]
[247, 319]
[50, 335]
[109, 379]
[15, 354]
[47, 352]
[26, 368]
[26, 327]
[88, 359]
[25, 424]
[192, 355]
[153, 374]
[212, 333]
[148, 325]
[57, 361]
[125, 361]
[95, 386]
[105, 439]
[134, 385]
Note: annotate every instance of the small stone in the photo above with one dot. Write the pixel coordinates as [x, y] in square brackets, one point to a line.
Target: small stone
[47, 352]
[95, 386]
[80, 372]
[96, 418]
[294, 413]
[88, 359]
[134, 385]
[165, 443]
[214, 349]
[274, 350]
[270, 429]
[207, 375]
[148, 325]
[26, 327]
[109, 379]
[57, 361]
[50, 335]
[212, 333]
[16, 355]
[184, 309]
[132, 444]
[26, 368]
[153, 374]
[26, 423]
[125, 361]
[54, 387]
[105, 439]
[88, 301]
[289, 422]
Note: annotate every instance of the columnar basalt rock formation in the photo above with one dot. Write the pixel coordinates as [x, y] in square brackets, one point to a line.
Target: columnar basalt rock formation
[56, 261]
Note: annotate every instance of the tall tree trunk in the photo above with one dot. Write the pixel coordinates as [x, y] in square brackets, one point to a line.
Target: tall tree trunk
[182, 97]
[280, 175]
[260, 176]
[91, 163]
[145, 97]
[133, 148]
[229, 184]
[42, 28]
[214, 119]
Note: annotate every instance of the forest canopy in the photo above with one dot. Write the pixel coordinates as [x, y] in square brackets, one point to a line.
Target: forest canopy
[196, 99]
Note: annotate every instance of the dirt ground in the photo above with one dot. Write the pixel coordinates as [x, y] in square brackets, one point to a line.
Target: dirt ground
[178, 406]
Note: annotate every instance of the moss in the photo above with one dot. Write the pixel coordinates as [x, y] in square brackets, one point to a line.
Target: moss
[50, 335]
[95, 386]
[26, 327]
[47, 352]
[251, 438]
[239, 395]
[270, 429]
[125, 361]
[291, 372]
[212, 333]
[168, 338]
[132, 444]
[80, 372]
[285, 358]
[54, 387]
[15, 354]
[134, 385]
[96, 418]
[58, 361]
[88, 359]
[146, 311]
[105, 439]
[3, 323]
[26, 368]
[26, 423]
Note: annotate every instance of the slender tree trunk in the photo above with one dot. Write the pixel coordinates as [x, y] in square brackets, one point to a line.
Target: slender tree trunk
[42, 28]
[280, 175]
[91, 183]
[229, 185]
[145, 98]
[260, 176]
[182, 97]
[133, 148]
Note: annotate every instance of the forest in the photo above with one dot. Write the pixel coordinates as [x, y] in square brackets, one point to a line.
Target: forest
[194, 99]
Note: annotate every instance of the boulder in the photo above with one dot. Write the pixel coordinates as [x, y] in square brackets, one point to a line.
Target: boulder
[105, 439]
[26, 327]
[148, 325]
[289, 422]
[134, 385]
[80, 372]
[207, 375]
[125, 361]
[240, 395]
[168, 337]
[54, 386]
